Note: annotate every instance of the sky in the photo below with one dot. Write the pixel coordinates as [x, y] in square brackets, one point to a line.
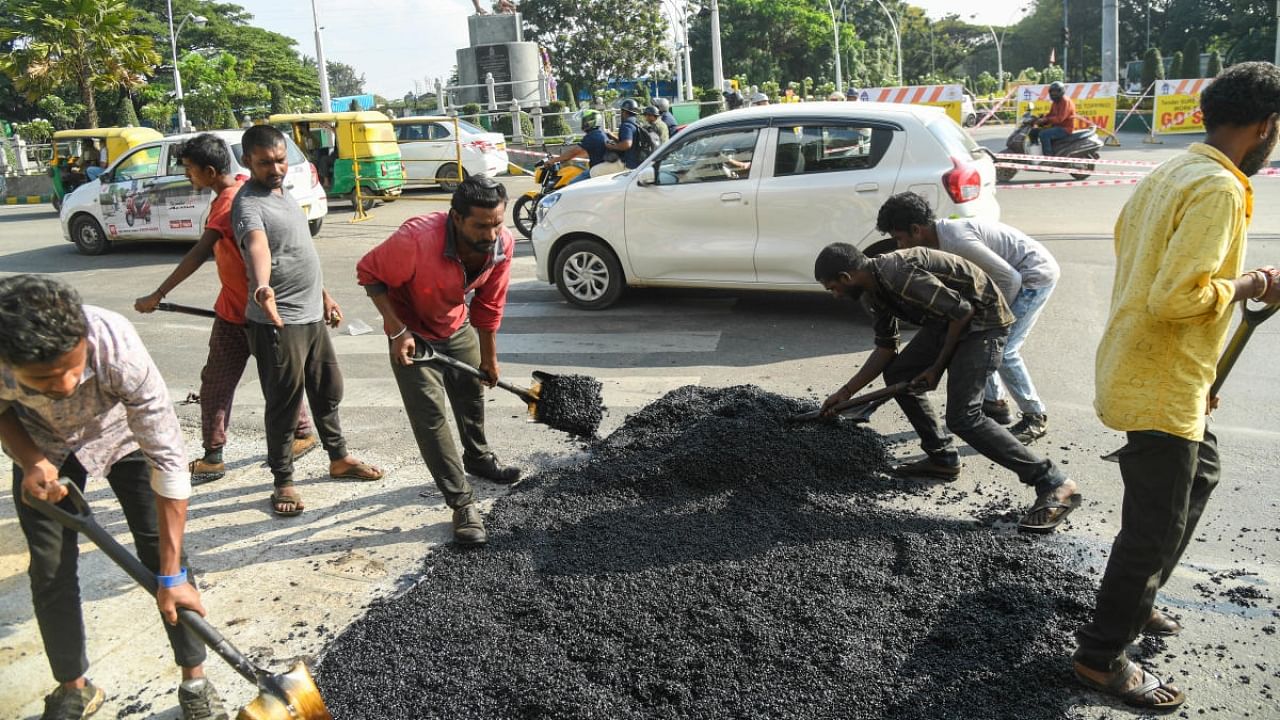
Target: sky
[397, 42]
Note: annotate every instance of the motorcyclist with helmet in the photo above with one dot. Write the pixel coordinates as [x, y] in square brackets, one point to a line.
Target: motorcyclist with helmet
[592, 146]
[664, 114]
[759, 99]
[651, 119]
[630, 110]
[1060, 121]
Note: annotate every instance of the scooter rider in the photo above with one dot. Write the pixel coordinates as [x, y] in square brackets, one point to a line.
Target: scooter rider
[630, 110]
[591, 146]
[1060, 121]
[664, 114]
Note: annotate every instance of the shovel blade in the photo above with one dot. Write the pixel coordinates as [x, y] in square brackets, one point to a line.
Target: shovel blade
[288, 696]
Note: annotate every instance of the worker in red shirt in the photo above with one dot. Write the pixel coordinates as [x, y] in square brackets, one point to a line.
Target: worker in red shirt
[1060, 121]
[419, 279]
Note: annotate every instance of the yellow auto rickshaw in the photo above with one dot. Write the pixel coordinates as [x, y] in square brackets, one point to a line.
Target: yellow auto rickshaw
[349, 150]
[77, 152]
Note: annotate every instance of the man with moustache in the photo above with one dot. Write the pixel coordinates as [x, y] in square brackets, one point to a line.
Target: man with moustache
[286, 318]
[1180, 249]
[419, 279]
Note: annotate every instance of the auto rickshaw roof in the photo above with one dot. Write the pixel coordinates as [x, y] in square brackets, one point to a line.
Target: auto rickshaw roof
[132, 135]
[366, 116]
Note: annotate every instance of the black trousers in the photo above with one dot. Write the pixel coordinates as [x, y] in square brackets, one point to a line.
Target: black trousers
[55, 586]
[1167, 482]
[293, 360]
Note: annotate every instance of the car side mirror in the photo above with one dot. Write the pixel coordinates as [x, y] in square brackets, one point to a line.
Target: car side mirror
[648, 176]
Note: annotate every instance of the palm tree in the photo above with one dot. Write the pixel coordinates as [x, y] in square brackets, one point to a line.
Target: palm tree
[86, 43]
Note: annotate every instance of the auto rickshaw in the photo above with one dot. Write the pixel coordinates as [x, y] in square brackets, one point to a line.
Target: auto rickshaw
[69, 168]
[349, 148]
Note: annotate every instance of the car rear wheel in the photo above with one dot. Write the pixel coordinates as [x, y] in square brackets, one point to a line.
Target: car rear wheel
[447, 176]
[88, 236]
[525, 214]
[315, 226]
[588, 275]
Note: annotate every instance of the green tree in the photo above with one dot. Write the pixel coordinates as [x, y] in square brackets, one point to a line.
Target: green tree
[1215, 64]
[593, 42]
[62, 114]
[1152, 68]
[1175, 65]
[986, 84]
[218, 90]
[553, 124]
[126, 115]
[89, 44]
[1190, 59]
[343, 79]
[279, 101]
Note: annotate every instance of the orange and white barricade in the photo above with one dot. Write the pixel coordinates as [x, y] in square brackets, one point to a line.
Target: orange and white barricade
[1177, 107]
[947, 97]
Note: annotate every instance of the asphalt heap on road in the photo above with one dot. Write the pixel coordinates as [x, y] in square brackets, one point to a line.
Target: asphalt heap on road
[710, 559]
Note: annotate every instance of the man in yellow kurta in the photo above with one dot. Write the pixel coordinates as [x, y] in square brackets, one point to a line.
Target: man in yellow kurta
[1180, 247]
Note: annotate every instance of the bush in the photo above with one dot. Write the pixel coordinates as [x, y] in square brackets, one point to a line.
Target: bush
[713, 101]
[570, 97]
[1152, 68]
[471, 113]
[554, 125]
[986, 84]
[772, 89]
[36, 131]
[1190, 59]
[502, 124]
[1215, 64]
[126, 116]
[1053, 73]
[1030, 75]
[1175, 66]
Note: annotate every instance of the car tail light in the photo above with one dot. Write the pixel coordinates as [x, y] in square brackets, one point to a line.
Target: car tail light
[963, 181]
[315, 175]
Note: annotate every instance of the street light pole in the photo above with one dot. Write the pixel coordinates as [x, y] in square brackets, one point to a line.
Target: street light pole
[717, 65]
[675, 33]
[177, 75]
[897, 39]
[999, 58]
[326, 102]
[835, 27]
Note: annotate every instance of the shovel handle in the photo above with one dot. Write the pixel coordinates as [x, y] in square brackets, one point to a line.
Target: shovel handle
[80, 519]
[429, 355]
[863, 399]
[186, 309]
[1249, 321]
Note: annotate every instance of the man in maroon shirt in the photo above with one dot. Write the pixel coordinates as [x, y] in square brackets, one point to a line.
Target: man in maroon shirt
[419, 279]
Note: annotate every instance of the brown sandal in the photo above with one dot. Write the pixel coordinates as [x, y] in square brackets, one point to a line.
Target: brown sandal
[1142, 695]
[359, 471]
[286, 502]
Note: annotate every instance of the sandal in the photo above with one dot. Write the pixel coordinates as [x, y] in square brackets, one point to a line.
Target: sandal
[1141, 696]
[1161, 625]
[303, 445]
[359, 471]
[1056, 511]
[286, 502]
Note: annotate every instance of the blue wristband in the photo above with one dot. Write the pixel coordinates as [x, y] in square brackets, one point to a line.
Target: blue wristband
[172, 581]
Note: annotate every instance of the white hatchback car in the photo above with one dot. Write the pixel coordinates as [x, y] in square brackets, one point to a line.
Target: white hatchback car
[145, 195]
[746, 199]
[430, 150]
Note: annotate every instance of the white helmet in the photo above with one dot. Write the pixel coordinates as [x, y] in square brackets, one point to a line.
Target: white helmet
[662, 104]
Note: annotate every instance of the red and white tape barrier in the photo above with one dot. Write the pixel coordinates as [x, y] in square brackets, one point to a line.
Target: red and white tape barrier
[1071, 183]
[1067, 170]
[1081, 161]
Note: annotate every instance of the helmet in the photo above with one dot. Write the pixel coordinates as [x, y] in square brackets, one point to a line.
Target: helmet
[630, 106]
[759, 99]
[662, 104]
[590, 119]
[650, 110]
[1057, 86]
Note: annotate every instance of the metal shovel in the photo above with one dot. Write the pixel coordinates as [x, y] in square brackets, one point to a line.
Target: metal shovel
[185, 309]
[853, 402]
[291, 695]
[428, 355]
[1249, 321]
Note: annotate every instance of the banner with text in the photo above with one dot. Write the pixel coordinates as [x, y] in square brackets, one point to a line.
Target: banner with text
[947, 97]
[1178, 106]
[1095, 102]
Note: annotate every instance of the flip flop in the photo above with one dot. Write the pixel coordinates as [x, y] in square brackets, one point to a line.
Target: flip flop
[1142, 696]
[286, 495]
[361, 471]
[1047, 502]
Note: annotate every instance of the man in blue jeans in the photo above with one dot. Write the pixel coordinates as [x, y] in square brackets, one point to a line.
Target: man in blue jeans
[963, 323]
[1022, 269]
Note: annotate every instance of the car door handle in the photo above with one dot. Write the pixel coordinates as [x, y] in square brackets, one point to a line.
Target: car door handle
[866, 187]
[731, 197]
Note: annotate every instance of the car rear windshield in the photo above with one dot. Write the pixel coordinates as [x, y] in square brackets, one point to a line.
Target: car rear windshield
[468, 127]
[294, 155]
[954, 139]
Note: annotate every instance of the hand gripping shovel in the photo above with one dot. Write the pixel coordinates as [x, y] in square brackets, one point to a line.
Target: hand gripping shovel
[1249, 321]
[853, 402]
[571, 403]
[291, 695]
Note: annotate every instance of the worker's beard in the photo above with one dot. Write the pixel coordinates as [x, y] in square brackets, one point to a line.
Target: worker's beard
[1255, 159]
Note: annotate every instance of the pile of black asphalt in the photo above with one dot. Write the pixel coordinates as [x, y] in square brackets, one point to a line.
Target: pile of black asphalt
[712, 559]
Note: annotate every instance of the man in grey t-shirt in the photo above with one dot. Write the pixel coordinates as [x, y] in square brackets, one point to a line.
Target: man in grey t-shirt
[1021, 267]
[286, 316]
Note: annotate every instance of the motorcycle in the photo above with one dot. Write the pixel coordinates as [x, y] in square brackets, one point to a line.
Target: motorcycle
[137, 206]
[1079, 144]
[549, 177]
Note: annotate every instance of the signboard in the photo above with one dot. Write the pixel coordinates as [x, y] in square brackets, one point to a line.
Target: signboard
[1095, 102]
[343, 104]
[947, 97]
[1178, 106]
[495, 60]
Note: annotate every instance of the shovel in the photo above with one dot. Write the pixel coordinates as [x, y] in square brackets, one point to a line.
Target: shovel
[291, 695]
[185, 309]
[571, 403]
[853, 402]
[1249, 321]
